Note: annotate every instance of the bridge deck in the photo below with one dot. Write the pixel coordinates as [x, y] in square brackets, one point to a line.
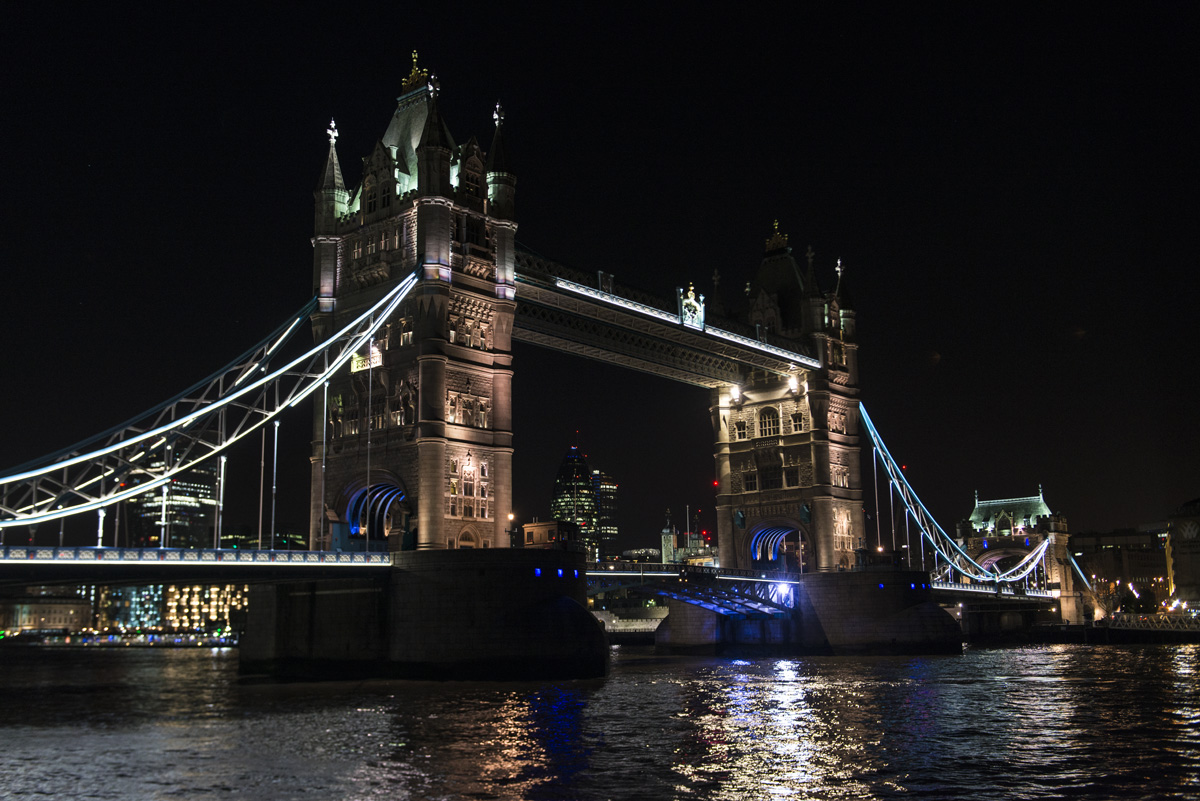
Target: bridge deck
[56, 565]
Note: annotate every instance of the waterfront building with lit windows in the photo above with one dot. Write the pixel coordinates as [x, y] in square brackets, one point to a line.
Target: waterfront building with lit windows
[131, 609]
[550, 534]
[45, 613]
[203, 608]
[574, 500]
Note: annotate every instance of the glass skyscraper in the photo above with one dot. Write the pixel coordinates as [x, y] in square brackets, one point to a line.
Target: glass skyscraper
[574, 500]
[605, 489]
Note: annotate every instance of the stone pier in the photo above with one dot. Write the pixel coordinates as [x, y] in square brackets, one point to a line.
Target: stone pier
[462, 614]
[835, 613]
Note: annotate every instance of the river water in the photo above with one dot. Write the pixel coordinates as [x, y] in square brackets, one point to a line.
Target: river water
[1017, 723]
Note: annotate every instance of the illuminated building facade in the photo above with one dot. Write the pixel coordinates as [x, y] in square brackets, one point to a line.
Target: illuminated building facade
[1183, 553]
[1000, 533]
[183, 511]
[202, 607]
[787, 446]
[550, 534]
[45, 613]
[605, 489]
[574, 500]
[414, 443]
[132, 609]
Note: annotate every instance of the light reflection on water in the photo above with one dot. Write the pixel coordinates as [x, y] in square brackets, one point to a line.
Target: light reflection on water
[1049, 722]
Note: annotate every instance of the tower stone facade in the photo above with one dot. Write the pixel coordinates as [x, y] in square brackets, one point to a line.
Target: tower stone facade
[787, 447]
[414, 442]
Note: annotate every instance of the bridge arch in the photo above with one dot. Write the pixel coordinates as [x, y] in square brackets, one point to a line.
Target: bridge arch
[469, 537]
[377, 507]
[781, 543]
[1000, 559]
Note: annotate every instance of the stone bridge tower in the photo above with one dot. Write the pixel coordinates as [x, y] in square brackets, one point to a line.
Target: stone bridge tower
[787, 448]
[415, 441]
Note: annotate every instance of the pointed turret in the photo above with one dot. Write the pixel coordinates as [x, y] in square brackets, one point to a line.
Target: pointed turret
[716, 307]
[502, 206]
[778, 290]
[330, 194]
[434, 150]
[330, 198]
[810, 276]
[502, 184]
[842, 297]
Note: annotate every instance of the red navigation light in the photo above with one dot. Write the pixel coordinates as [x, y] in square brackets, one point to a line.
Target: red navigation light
[716, 483]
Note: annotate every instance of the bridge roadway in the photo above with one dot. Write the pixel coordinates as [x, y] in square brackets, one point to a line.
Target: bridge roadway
[735, 593]
[44, 564]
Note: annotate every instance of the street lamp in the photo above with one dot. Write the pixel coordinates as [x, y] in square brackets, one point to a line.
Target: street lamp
[513, 540]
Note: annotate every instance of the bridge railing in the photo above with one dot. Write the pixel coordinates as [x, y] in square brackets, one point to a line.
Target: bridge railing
[658, 569]
[991, 589]
[91, 555]
[1172, 621]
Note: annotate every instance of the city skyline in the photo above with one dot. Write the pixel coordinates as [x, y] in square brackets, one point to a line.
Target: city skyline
[1011, 221]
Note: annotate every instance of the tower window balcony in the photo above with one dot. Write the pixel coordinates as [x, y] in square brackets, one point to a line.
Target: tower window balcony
[768, 423]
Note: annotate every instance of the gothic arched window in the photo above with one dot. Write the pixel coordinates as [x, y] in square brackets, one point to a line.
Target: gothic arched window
[768, 422]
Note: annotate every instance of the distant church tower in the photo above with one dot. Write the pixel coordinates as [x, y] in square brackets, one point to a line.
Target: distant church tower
[787, 448]
[415, 441]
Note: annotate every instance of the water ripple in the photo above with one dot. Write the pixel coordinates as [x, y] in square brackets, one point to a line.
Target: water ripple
[1025, 723]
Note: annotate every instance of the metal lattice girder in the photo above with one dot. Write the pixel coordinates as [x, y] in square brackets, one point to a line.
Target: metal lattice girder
[943, 544]
[722, 603]
[569, 317]
[149, 450]
[732, 598]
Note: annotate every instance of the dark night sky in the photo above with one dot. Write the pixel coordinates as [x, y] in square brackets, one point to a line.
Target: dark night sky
[1012, 191]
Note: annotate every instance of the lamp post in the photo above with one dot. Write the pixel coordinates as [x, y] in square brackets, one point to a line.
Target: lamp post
[512, 531]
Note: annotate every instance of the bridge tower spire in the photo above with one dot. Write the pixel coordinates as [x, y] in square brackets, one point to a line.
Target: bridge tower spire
[330, 198]
[415, 442]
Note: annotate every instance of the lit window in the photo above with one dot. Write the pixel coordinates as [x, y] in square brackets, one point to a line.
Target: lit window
[740, 428]
[768, 422]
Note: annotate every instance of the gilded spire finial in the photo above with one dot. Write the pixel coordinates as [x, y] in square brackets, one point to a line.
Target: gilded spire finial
[777, 241]
[418, 77]
[810, 255]
[332, 131]
[498, 114]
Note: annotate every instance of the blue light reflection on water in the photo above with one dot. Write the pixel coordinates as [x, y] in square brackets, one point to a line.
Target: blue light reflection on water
[1050, 722]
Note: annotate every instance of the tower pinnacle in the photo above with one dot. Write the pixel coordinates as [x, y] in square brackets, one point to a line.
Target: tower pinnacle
[417, 78]
[332, 131]
[777, 240]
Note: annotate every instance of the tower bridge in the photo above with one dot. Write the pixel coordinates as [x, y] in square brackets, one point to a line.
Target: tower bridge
[419, 292]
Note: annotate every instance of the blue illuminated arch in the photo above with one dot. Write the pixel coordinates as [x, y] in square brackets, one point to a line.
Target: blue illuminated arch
[767, 538]
[368, 506]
